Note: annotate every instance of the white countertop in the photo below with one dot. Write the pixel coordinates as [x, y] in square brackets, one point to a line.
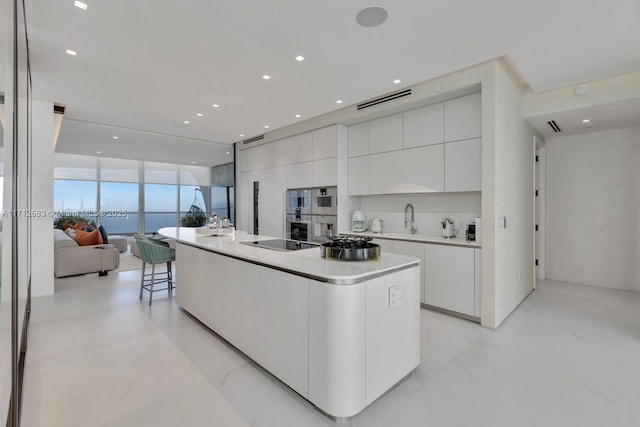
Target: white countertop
[420, 238]
[304, 262]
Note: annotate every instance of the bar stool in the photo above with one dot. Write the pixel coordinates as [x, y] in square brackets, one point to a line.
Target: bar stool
[154, 252]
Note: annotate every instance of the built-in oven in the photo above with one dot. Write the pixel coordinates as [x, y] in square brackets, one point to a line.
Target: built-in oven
[324, 201]
[299, 228]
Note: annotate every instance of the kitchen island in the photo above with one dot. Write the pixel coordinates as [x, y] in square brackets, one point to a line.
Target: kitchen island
[339, 333]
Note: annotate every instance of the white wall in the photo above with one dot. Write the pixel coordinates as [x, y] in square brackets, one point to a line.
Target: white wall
[593, 208]
[512, 198]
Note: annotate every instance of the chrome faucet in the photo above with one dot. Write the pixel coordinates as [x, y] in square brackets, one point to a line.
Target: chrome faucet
[406, 221]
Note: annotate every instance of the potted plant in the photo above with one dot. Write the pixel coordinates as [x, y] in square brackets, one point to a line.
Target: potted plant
[195, 217]
[63, 221]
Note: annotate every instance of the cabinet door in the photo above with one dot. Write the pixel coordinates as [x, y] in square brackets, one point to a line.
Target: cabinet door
[416, 250]
[387, 246]
[463, 165]
[417, 170]
[271, 202]
[305, 147]
[299, 175]
[359, 176]
[325, 143]
[385, 134]
[478, 281]
[325, 172]
[280, 152]
[450, 278]
[246, 159]
[263, 156]
[463, 118]
[424, 126]
[358, 136]
[293, 150]
[282, 311]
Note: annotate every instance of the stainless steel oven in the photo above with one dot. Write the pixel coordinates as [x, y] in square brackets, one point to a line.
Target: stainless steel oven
[324, 201]
[298, 229]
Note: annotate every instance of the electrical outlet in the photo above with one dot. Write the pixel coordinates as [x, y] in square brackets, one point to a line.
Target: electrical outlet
[395, 297]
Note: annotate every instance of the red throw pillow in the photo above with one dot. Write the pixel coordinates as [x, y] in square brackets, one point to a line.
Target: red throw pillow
[86, 239]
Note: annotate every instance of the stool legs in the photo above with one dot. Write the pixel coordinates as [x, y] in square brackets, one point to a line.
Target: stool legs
[153, 279]
[144, 266]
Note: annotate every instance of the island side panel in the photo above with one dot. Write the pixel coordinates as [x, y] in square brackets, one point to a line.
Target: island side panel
[393, 330]
[337, 347]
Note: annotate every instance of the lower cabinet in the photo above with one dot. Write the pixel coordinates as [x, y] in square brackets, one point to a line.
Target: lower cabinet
[450, 278]
[417, 250]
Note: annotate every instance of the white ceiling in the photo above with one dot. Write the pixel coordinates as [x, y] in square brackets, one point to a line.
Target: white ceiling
[148, 65]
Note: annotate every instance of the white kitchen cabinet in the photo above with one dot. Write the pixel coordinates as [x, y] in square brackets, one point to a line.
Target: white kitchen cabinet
[416, 170]
[280, 152]
[385, 134]
[387, 246]
[246, 159]
[358, 136]
[325, 172]
[282, 338]
[424, 126]
[478, 281]
[416, 250]
[305, 147]
[463, 165]
[263, 156]
[450, 278]
[293, 149]
[299, 175]
[325, 143]
[463, 118]
[271, 201]
[359, 176]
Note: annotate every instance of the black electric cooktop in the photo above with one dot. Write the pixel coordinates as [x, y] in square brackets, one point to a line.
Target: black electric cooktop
[282, 245]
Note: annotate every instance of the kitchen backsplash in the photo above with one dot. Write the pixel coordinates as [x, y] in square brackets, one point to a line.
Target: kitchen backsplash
[430, 209]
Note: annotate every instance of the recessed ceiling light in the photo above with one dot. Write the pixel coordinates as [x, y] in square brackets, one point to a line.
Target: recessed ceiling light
[242, 134]
[397, 81]
[80, 5]
[228, 152]
[186, 122]
[193, 163]
[266, 77]
[215, 106]
[298, 115]
[372, 16]
[199, 114]
[72, 52]
[115, 137]
[266, 126]
[299, 58]
[586, 120]
[339, 101]
[97, 152]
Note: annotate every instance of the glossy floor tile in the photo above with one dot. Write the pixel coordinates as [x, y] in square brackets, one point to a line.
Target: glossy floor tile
[568, 356]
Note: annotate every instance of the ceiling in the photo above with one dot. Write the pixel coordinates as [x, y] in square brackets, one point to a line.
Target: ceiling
[144, 67]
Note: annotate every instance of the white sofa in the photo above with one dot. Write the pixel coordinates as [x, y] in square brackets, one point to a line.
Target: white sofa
[71, 259]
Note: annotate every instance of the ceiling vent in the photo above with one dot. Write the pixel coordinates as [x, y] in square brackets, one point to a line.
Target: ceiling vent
[254, 139]
[384, 99]
[58, 109]
[553, 125]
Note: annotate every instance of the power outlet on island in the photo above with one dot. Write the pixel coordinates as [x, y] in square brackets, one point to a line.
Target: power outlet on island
[395, 297]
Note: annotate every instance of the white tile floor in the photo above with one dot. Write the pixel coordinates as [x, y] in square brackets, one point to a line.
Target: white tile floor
[568, 356]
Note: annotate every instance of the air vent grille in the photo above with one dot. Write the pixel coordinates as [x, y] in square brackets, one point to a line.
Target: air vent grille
[58, 109]
[254, 139]
[553, 125]
[383, 99]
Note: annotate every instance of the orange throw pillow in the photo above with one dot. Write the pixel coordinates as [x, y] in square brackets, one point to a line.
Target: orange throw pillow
[86, 239]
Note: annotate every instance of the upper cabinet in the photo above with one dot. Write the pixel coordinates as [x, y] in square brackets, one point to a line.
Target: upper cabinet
[358, 136]
[463, 118]
[325, 143]
[437, 148]
[385, 134]
[424, 126]
[305, 147]
[463, 165]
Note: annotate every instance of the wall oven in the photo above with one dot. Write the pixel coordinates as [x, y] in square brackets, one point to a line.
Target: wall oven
[311, 213]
